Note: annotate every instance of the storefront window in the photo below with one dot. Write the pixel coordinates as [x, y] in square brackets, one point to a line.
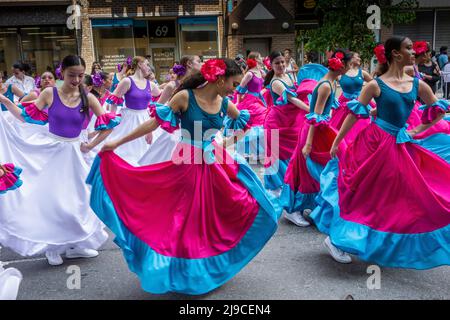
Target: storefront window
[199, 37]
[113, 41]
[45, 47]
[9, 52]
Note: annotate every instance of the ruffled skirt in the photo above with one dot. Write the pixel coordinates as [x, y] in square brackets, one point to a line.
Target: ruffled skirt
[184, 227]
[387, 202]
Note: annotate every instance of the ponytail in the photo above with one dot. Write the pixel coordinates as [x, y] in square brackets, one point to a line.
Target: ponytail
[194, 81]
[84, 101]
[268, 78]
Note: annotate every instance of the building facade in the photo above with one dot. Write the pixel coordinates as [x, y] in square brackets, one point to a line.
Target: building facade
[41, 33]
[432, 24]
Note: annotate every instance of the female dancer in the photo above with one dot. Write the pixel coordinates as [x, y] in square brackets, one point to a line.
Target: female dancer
[250, 98]
[387, 200]
[189, 226]
[351, 84]
[283, 122]
[62, 221]
[312, 152]
[46, 80]
[163, 143]
[137, 91]
[9, 278]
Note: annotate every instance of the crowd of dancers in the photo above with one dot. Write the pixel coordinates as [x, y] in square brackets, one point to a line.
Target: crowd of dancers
[166, 167]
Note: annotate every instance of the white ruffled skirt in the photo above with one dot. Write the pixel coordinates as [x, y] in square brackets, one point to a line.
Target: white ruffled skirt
[51, 210]
[134, 150]
[161, 148]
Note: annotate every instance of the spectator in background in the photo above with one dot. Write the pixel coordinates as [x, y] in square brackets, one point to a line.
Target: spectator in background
[446, 72]
[433, 56]
[442, 57]
[23, 82]
[96, 67]
[430, 71]
[291, 65]
[240, 60]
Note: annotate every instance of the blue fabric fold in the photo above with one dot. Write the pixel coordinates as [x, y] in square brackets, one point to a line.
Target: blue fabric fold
[274, 175]
[358, 109]
[158, 273]
[283, 99]
[317, 118]
[417, 251]
[241, 90]
[166, 114]
[311, 71]
[240, 123]
[441, 103]
[439, 143]
[17, 184]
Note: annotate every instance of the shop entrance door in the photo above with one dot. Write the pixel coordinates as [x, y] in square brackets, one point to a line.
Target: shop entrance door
[262, 45]
[163, 58]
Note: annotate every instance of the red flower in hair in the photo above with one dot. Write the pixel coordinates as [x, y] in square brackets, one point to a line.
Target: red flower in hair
[380, 54]
[267, 63]
[420, 47]
[339, 55]
[251, 63]
[335, 64]
[212, 69]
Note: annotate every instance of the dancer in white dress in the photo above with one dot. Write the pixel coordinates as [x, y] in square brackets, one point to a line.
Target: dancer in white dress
[136, 91]
[50, 213]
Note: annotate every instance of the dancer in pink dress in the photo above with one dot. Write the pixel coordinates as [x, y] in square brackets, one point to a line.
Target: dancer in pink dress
[284, 120]
[187, 226]
[250, 98]
[387, 199]
[351, 84]
[312, 151]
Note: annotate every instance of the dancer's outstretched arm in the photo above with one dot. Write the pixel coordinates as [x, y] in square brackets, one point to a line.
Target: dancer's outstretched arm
[45, 99]
[427, 96]
[178, 104]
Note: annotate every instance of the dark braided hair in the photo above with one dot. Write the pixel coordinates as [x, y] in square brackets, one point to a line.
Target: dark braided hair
[71, 61]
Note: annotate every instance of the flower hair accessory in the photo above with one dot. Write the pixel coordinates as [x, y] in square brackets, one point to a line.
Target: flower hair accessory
[420, 47]
[129, 61]
[212, 69]
[58, 72]
[380, 53]
[37, 81]
[339, 55]
[179, 70]
[266, 62]
[251, 63]
[97, 79]
[335, 64]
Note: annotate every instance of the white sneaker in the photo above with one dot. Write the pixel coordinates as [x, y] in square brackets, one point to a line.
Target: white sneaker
[53, 258]
[337, 254]
[74, 253]
[297, 219]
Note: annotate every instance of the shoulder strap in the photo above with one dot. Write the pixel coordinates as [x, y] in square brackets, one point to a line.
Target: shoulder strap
[224, 107]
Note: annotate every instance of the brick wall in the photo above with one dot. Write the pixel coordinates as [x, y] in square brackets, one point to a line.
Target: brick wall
[148, 9]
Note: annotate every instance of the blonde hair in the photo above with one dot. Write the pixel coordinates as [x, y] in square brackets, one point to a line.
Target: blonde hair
[253, 55]
[134, 65]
